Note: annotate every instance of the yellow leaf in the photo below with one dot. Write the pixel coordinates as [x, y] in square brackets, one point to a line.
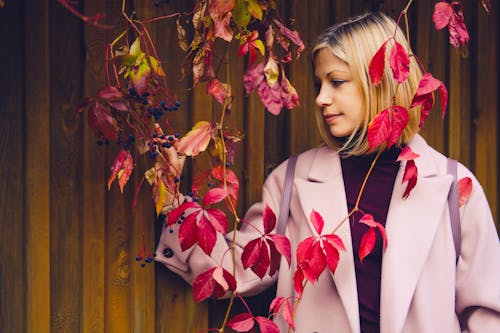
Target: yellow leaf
[161, 196]
[254, 9]
[272, 72]
[135, 48]
[150, 175]
[259, 45]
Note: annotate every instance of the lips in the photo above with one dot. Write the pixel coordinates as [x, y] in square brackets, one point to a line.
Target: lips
[332, 117]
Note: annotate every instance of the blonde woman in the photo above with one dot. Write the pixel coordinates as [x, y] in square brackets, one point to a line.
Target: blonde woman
[416, 284]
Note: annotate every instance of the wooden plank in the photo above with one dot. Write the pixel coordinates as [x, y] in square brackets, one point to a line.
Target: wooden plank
[37, 96]
[431, 50]
[459, 107]
[65, 170]
[93, 214]
[12, 172]
[487, 106]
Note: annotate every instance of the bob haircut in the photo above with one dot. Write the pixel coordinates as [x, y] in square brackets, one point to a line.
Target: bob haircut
[355, 42]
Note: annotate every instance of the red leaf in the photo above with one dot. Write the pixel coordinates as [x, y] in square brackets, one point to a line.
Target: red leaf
[100, 120]
[332, 256]
[196, 140]
[282, 244]
[274, 257]
[464, 190]
[407, 154]
[399, 121]
[188, 232]
[122, 168]
[276, 304]
[377, 65]
[242, 322]
[269, 219]
[458, 31]
[266, 325]
[442, 14]
[316, 263]
[367, 244]
[253, 77]
[217, 218]
[206, 235]
[204, 285]
[304, 249]
[427, 85]
[214, 196]
[176, 213]
[251, 253]
[369, 221]
[379, 129]
[232, 182]
[218, 276]
[298, 278]
[334, 241]
[289, 95]
[219, 90]
[287, 313]
[220, 12]
[110, 93]
[271, 97]
[317, 221]
[410, 175]
[399, 62]
[263, 262]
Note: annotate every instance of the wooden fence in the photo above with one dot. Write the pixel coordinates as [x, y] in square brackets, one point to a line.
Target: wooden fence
[67, 245]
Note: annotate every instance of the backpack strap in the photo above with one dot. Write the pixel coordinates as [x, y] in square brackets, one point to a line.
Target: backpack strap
[287, 194]
[453, 206]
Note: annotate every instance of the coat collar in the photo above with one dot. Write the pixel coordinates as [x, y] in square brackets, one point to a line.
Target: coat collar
[411, 225]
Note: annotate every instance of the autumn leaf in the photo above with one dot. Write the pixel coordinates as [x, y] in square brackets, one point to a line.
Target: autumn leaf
[251, 44]
[121, 168]
[214, 195]
[379, 129]
[181, 35]
[266, 325]
[293, 36]
[289, 95]
[399, 121]
[464, 190]
[369, 221]
[407, 154]
[451, 15]
[196, 140]
[369, 238]
[376, 67]
[424, 95]
[410, 175]
[399, 62]
[254, 9]
[269, 219]
[283, 304]
[220, 91]
[298, 278]
[102, 123]
[487, 5]
[213, 283]
[317, 221]
[242, 322]
[271, 72]
[220, 12]
[160, 195]
[232, 182]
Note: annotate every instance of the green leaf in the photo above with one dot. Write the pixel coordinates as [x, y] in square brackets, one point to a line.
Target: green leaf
[241, 15]
[254, 9]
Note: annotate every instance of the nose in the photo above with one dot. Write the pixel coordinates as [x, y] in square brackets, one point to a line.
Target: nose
[323, 98]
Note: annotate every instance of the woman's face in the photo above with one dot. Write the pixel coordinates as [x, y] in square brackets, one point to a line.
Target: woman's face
[339, 98]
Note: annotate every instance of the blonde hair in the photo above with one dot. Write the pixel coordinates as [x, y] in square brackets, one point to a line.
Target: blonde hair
[355, 42]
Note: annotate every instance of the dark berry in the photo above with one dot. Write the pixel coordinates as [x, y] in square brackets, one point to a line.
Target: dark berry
[138, 258]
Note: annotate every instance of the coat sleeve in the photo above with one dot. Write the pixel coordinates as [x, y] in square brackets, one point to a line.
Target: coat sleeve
[194, 261]
[478, 268]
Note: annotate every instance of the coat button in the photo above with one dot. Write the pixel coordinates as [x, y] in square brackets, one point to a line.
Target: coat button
[168, 252]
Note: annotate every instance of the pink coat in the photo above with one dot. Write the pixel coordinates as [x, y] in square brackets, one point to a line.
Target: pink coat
[422, 288]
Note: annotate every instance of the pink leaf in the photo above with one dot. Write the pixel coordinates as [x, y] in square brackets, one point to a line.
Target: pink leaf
[317, 221]
[287, 313]
[275, 305]
[220, 12]
[399, 62]
[196, 140]
[367, 244]
[214, 196]
[242, 322]
[334, 241]
[442, 14]
[379, 129]
[458, 31]
[271, 97]
[464, 190]
[282, 244]
[399, 121]
[206, 235]
[269, 219]
[204, 285]
[188, 232]
[217, 218]
[377, 65]
[176, 213]
[266, 325]
[289, 95]
[298, 278]
[410, 176]
[251, 253]
[253, 77]
[316, 263]
[427, 85]
[110, 93]
[332, 256]
[292, 35]
[100, 120]
[218, 276]
[219, 90]
[407, 154]
[122, 168]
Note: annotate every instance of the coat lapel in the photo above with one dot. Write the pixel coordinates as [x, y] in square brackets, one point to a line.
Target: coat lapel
[324, 192]
[411, 225]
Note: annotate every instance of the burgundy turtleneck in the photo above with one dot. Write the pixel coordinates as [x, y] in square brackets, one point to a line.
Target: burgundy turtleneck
[375, 201]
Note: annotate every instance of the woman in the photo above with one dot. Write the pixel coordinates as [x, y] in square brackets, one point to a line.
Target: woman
[415, 285]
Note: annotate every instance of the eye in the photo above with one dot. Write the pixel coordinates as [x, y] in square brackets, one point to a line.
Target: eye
[336, 83]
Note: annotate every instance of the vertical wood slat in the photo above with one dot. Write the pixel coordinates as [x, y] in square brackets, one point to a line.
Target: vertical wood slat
[37, 96]
[487, 106]
[12, 173]
[93, 212]
[65, 172]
